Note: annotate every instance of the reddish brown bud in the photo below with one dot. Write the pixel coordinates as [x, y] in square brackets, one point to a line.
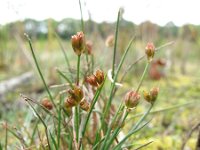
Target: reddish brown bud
[92, 80]
[85, 105]
[152, 95]
[96, 79]
[76, 93]
[47, 103]
[110, 41]
[150, 51]
[131, 99]
[78, 43]
[70, 102]
[99, 76]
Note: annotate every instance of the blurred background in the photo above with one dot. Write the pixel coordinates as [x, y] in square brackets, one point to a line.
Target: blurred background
[175, 68]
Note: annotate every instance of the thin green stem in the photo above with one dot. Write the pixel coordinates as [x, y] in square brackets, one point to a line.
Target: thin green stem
[82, 22]
[6, 137]
[78, 69]
[65, 77]
[38, 68]
[115, 45]
[117, 147]
[63, 50]
[108, 104]
[97, 94]
[142, 78]
[45, 126]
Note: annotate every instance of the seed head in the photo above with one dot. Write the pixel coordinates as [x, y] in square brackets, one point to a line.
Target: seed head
[99, 76]
[47, 103]
[150, 51]
[78, 43]
[76, 94]
[92, 80]
[152, 95]
[131, 99]
[96, 79]
[85, 105]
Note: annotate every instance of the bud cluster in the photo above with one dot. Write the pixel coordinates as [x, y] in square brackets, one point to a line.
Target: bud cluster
[96, 79]
[76, 97]
[151, 96]
[47, 103]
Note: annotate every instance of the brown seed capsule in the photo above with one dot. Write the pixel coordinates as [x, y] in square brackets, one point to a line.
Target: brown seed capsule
[99, 76]
[150, 51]
[78, 43]
[47, 103]
[76, 93]
[147, 96]
[131, 99]
[152, 95]
[70, 102]
[92, 80]
[85, 105]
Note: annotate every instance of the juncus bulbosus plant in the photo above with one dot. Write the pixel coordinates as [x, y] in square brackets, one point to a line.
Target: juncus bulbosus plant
[83, 117]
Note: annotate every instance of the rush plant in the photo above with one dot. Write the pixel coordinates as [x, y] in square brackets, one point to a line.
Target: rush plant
[82, 117]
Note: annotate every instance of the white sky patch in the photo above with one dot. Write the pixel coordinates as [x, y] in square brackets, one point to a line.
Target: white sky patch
[157, 11]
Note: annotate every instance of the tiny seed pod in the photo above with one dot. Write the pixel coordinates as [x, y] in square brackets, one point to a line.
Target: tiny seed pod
[85, 105]
[91, 80]
[70, 102]
[99, 76]
[131, 99]
[47, 103]
[78, 43]
[150, 51]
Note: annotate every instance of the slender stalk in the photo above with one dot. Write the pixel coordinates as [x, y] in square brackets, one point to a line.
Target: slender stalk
[78, 70]
[110, 127]
[117, 147]
[82, 22]
[45, 126]
[63, 50]
[116, 132]
[115, 46]
[6, 137]
[143, 75]
[65, 77]
[38, 68]
[108, 104]
[97, 94]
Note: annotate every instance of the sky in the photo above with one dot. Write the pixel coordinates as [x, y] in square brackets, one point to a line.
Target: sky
[157, 11]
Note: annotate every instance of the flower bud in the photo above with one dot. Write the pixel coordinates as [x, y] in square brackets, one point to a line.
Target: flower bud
[150, 51]
[47, 103]
[85, 105]
[99, 76]
[70, 102]
[96, 79]
[92, 80]
[76, 93]
[147, 96]
[131, 99]
[152, 95]
[110, 41]
[78, 43]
